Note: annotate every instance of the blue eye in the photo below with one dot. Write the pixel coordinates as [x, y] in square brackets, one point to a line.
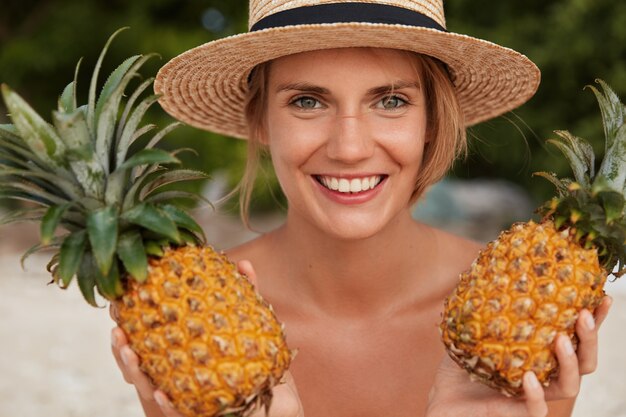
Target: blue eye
[307, 103]
[391, 102]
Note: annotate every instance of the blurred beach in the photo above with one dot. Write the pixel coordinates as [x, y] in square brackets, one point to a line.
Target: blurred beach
[55, 358]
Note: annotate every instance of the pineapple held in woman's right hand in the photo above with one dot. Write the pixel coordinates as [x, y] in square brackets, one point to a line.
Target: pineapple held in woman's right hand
[203, 334]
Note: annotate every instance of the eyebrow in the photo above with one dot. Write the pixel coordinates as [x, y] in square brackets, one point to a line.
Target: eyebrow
[311, 88]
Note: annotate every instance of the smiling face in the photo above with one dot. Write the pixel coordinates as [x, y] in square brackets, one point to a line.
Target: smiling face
[346, 130]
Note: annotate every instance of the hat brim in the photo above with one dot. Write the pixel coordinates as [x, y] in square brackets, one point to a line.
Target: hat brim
[206, 86]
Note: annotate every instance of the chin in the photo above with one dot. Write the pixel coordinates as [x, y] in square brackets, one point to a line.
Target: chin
[348, 232]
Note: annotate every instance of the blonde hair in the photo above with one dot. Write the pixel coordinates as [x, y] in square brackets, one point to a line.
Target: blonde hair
[445, 130]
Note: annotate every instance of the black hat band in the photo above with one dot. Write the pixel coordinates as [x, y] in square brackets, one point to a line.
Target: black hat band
[347, 13]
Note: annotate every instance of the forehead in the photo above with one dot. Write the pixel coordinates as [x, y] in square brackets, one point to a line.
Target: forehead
[376, 64]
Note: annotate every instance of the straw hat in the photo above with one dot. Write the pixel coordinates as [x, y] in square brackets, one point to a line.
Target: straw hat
[206, 86]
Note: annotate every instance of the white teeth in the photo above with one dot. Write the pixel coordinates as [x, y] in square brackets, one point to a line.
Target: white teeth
[344, 185]
[354, 185]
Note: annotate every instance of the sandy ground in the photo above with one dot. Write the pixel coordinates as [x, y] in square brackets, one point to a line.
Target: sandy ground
[55, 358]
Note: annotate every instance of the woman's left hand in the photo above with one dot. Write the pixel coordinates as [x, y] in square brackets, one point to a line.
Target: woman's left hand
[453, 394]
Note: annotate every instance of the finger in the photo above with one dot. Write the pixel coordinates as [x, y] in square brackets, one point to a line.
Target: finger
[245, 268]
[165, 404]
[535, 396]
[587, 332]
[603, 310]
[568, 384]
[135, 374]
[113, 312]
[118, 339]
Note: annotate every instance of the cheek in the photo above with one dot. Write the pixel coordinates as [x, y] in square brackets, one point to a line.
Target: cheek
[405, 142]
[292, 141]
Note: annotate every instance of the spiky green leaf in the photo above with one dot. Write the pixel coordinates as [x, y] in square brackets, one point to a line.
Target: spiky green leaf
[41, 180]
[112, 83]
[32, 190]
[613, 111]
[170, 177]
[153, 248]
[87, 169]
[51, 221]
[73, 130]
[154, 219]
[161, 133]
[102, 228]
[578, 164]
[184, 220]
[110, 285]
[130, 104]
[21, 151]
[131, 196]
[132, 252]
[71, 255]
[168, 196]
[105, 124]
[40, 136]
[25, 215]
[66, 98]
[149, 157]
[131, 127]
[56, 243]
[67, 101]
[613, 167]
[86, 278]
[613, 204]
[91, 101]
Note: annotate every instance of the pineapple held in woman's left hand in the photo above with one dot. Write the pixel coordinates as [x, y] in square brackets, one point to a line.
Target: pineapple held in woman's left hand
[532, 282]
[204, 336]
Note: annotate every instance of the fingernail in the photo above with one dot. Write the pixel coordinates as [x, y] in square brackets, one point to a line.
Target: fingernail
[125, 353]
[161, 400]
[567, 345]
[113, 338]
[590, 323]
[531, 380]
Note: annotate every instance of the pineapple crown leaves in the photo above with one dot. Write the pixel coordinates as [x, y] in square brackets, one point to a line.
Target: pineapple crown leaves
[84, 175]
[593, 203]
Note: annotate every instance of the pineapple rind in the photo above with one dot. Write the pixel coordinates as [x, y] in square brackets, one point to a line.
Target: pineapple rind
[523, 290]
[117, 213]
[203, 333]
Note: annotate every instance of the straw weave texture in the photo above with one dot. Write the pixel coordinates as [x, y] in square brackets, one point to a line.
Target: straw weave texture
[206, 86]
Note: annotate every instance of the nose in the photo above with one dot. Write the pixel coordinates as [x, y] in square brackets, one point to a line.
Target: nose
[350, 140]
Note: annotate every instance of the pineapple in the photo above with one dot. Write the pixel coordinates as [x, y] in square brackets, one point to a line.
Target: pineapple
[531, 283]
[203, 334]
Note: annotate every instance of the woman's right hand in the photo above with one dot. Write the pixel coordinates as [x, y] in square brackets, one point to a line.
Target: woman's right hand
[285, 402]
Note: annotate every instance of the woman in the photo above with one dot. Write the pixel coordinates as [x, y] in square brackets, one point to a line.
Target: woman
[361, 106]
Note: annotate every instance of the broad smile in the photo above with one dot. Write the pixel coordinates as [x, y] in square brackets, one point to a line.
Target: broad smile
[350, 185]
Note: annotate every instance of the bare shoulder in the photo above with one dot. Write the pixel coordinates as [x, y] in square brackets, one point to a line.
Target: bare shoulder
[464, 250]
[252, 250]
[453, 254]
[259, 251]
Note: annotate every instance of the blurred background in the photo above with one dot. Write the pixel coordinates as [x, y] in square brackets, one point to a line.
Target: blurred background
[54, 356]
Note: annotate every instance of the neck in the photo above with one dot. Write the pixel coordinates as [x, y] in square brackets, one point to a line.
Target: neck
[359, 277]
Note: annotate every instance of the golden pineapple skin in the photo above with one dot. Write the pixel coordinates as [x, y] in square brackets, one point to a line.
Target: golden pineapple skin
[203, 334]
[524, 289]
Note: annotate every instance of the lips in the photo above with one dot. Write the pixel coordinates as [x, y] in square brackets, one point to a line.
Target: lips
[350, 185]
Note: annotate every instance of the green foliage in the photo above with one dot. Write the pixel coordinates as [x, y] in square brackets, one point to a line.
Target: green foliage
[593, 204]
[572, 41]
[62, 167]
